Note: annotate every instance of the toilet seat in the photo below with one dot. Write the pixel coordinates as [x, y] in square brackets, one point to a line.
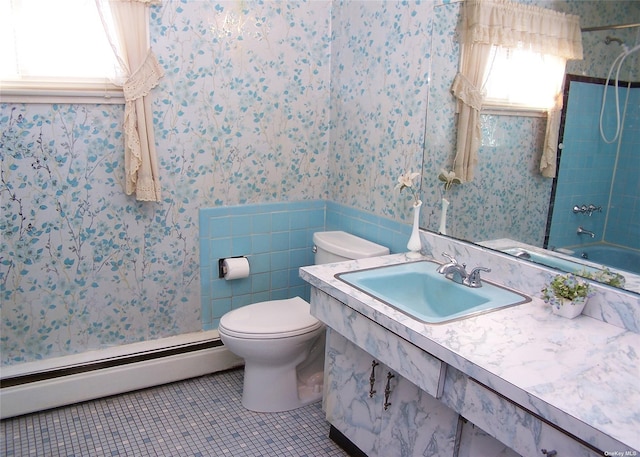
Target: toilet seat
[270, 319]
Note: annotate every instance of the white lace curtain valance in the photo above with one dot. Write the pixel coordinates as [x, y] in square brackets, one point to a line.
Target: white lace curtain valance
[508, 24]
[130, 42]
[489, 23]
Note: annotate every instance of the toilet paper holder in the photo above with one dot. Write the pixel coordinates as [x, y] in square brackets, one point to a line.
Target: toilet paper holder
[221, 269]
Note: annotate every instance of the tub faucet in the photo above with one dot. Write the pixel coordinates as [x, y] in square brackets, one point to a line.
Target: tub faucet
[582, 231]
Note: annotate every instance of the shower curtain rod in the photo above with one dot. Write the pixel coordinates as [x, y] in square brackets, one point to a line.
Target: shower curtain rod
[610, 27]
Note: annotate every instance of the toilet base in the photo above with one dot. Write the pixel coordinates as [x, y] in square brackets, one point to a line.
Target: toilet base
[270, 388]
[271, 391]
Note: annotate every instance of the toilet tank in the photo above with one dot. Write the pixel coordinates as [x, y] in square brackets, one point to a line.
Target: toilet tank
[338, 246]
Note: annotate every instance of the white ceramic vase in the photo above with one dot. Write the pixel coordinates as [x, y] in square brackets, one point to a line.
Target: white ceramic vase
[569, 309]
[443, 217]
[415, 245]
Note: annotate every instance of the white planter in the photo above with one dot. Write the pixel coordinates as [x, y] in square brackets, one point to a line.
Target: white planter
[569, 309]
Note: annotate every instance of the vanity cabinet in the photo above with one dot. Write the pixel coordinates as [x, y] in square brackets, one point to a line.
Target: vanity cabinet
[425, 400]
[521, 430]
[380, 411]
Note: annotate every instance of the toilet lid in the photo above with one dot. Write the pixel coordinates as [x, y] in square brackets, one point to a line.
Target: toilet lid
[270, 319]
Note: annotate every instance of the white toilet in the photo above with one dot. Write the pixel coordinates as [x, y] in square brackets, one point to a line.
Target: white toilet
[281, 343]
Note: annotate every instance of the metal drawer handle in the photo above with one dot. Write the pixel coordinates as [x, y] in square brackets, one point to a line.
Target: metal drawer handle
[372, 378]
[387, 391]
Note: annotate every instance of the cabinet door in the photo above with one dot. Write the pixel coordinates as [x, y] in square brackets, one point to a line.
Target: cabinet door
[352, 402]
[414, 423]
[475, 442]
[522, 431]
[381, 412]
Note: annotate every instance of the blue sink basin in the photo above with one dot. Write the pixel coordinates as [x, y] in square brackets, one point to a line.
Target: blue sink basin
[419, 291]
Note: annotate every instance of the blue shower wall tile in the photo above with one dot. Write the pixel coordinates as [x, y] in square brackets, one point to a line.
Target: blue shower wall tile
[261, 223]
[589, 166]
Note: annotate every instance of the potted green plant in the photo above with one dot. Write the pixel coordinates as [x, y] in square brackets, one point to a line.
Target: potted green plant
[605, 276]
[567, 294]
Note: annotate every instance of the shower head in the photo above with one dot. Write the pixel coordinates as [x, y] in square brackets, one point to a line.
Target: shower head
[610, 39]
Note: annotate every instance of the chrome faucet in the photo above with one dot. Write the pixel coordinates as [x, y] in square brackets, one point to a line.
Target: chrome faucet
[445, 268]
[473, 280]
[582, 231]
[452, 261]
[458, 273]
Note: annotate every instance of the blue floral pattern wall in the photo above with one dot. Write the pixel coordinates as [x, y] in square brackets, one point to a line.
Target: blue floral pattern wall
[379, 93]
[262, 101]
[241, 116]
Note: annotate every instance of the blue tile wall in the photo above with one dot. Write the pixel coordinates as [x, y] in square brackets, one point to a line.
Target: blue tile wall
[277, 238]
[623, 224]
[381, 230]
[589, 165]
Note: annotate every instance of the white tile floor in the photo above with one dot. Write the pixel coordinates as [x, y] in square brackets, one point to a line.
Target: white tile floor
[198, 417]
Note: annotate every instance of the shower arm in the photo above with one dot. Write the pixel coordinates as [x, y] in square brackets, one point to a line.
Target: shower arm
[610, 27]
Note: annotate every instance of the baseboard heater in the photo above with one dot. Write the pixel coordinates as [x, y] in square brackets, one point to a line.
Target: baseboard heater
[51, 387]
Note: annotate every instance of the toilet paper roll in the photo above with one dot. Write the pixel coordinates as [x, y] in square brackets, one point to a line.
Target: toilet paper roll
[235, 268]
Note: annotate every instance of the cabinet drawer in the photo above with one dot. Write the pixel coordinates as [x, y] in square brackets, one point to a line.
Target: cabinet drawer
[419, 367]
[519, 429]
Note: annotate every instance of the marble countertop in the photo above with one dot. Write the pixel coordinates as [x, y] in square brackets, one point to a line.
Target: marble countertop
[581, 374]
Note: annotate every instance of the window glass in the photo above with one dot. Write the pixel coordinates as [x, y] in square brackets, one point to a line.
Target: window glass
[519, 78]
[54, 44]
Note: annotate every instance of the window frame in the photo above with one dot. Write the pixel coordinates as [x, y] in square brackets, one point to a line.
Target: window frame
[56, 89]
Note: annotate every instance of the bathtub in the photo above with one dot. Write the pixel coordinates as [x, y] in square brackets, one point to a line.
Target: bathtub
[550, 260]
[570, 259]
[613, 256]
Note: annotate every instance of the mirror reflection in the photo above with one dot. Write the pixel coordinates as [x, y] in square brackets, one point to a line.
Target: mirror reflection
[509, 206]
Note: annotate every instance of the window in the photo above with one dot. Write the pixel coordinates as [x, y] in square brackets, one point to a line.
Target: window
[523, 79]
[53, 50]
[501, 36]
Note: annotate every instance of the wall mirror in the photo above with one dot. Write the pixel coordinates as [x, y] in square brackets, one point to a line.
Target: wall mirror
[509, 205]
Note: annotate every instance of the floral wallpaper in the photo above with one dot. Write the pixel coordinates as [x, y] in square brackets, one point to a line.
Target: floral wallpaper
[262, 101]
[83, 265]
[380, 83]
[241, 116]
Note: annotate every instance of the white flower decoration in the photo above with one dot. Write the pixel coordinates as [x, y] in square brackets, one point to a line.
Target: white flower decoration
[405, 181]
[449, 178]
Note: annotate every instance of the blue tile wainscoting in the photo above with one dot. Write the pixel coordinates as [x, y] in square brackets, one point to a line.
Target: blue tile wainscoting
[277, 239]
